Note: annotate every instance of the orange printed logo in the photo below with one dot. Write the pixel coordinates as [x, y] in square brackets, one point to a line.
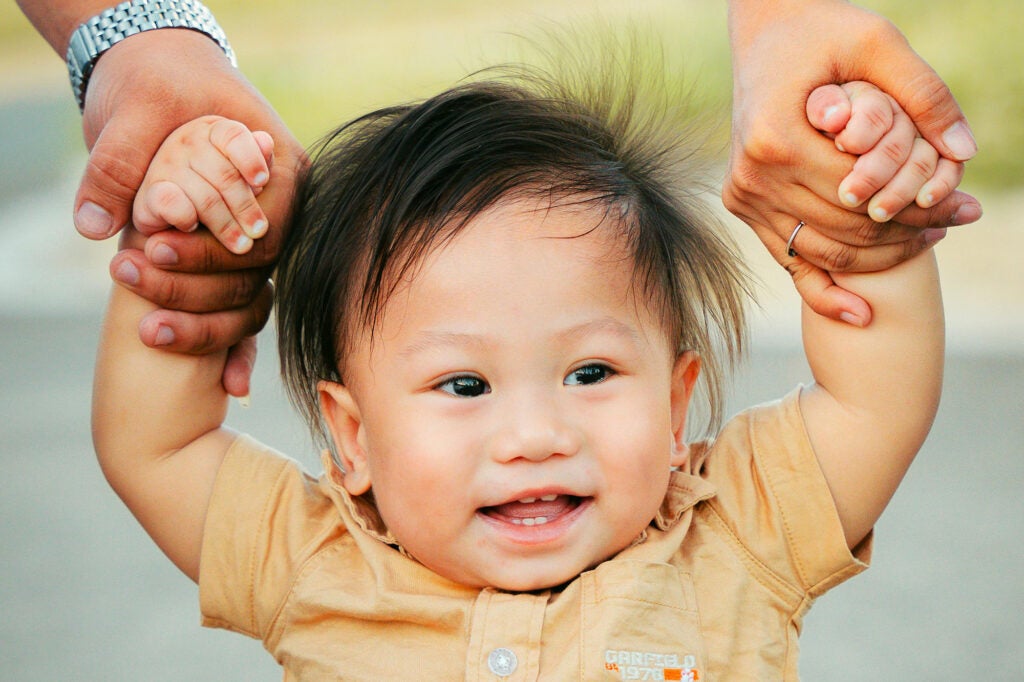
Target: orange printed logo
[646, 665]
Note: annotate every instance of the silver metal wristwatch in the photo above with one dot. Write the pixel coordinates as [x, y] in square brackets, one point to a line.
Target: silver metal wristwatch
[111, 26]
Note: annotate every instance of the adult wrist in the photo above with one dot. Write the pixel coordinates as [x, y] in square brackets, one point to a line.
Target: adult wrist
[101, 32]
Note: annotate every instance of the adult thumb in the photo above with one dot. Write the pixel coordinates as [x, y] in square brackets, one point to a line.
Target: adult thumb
[115, 169]
[899, 71]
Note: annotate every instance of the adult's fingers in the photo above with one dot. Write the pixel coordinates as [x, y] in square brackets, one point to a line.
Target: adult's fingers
[189, 292]
[815, 285]
[898, 70]
[113, 174]
[238, 367]
[183, 332]
[199, 252]
[821, 251]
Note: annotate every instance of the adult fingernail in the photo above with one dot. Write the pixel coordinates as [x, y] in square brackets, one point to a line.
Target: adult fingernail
[933, 234]
[164, 336]
[126, 273]
[966, 214]
[851, 318]
[960, 141]
[93, 221]
[163, 255]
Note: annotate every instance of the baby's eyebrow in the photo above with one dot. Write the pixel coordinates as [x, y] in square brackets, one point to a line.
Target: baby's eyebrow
[601, 325]
[430, 339]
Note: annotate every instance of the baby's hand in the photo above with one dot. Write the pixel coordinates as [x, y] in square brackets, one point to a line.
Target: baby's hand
[208, 172]
[896, 167]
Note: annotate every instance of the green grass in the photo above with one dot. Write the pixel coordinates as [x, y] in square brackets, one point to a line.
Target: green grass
[323, 61]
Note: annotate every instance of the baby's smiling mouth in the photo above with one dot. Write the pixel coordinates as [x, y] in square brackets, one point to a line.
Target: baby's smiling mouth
[533, 511]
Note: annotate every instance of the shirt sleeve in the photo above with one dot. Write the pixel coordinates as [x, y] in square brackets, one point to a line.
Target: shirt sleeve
[773, 497]
[266, 518]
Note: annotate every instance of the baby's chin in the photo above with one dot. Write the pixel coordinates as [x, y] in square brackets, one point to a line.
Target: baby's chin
[522, 578]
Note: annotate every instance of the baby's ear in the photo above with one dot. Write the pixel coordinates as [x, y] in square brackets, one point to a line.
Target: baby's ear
[341, 414]
[684, 378]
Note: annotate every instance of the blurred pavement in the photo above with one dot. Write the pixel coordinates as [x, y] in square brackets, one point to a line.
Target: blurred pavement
[87, 596]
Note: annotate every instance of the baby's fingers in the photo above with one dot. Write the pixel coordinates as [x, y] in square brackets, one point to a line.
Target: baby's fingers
[904, 187]
[226, 203]
[877, 167]
[249, 154]
[943, 183]
[164, 204]
[871, 117]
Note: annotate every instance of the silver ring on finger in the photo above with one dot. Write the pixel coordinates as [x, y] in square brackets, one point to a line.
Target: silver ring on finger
[789, 245]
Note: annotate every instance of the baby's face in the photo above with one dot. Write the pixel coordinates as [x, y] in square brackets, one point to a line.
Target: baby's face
[518, 410]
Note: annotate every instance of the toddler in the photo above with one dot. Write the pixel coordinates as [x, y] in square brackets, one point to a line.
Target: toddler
[495, 306]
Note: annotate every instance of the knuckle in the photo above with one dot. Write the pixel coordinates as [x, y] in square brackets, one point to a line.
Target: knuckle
[928, 92]
[205, 341]
[768, 145]
[170, 293]
[225, 131]
[875, 32]
[893, 151]
[839, 257]
[112, 174]
[207, 202]
[868, 232]
[245, 290]
[227, 176]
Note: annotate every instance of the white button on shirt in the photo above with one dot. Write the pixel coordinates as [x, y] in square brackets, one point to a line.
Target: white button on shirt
[502, 662]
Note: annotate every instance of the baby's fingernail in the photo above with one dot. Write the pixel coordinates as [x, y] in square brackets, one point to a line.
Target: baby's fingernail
[242, 244]
[960, 141]
[260, 179]
[258, 229]
[933, 234]
[164, 336]
[849, 199]
[93, 221]
[840, 147]
[925, 199]
[127, 273]
[851, 318]
[163, 255]
[968, 213]
[829, 113]
[879, 214]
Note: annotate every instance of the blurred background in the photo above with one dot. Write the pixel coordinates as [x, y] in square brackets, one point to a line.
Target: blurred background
[86, 596]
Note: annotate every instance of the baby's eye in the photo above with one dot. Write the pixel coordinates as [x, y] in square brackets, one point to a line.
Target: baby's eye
[465, 386]
[588, 374]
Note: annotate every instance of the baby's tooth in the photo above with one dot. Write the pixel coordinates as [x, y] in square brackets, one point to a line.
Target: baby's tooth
[528, 500]
[549, 498]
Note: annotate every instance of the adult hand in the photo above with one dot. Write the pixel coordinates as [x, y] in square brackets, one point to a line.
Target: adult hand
[141, 90]
[782, 171]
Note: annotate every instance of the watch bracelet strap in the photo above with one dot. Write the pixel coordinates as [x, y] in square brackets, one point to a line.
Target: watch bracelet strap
[98, 34]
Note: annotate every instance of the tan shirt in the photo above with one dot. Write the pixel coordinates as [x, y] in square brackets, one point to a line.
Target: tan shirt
[715, 589]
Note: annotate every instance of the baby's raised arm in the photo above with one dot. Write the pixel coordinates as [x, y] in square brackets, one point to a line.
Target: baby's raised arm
[876, 389]
[157, 415]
